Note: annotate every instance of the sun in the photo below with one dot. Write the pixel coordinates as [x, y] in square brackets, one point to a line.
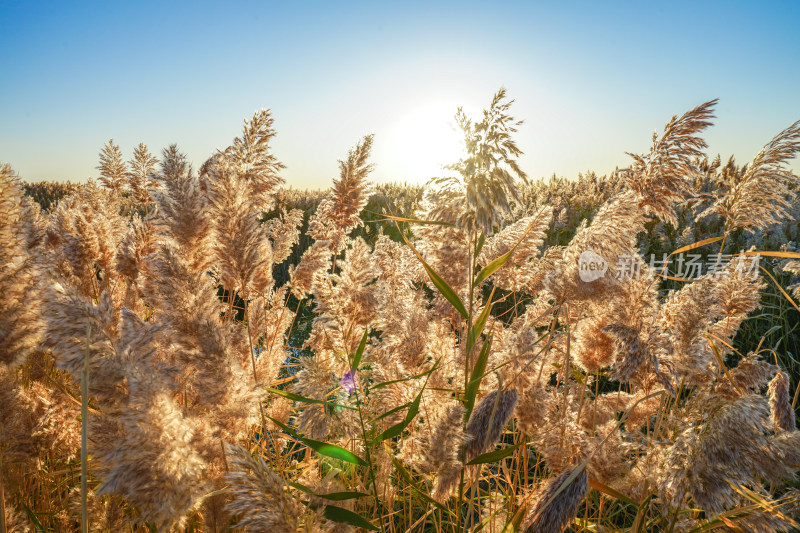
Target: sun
[422, 140]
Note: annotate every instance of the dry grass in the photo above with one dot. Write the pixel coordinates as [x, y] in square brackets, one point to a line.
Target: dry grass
[460, 373]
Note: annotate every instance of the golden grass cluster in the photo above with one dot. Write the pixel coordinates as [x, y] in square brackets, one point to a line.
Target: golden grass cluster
[459, 374]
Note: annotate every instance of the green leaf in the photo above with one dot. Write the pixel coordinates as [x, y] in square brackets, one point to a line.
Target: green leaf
[477, 328]
[392, 382]
[414, 409]
[440, 284]
[390, 412]
[360, 350]
[605, 489]
[480, 243]
[477, 376]
[492, 267]
[323, 448]
[398, 428]
[407, 476]
[393, 431]
[333, 451]
[303, 399]
[336, 496]
[32, 516]
[445, 289]
[491, 457]
[345, 516]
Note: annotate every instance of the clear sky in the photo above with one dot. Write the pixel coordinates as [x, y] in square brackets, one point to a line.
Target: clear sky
[592, 79]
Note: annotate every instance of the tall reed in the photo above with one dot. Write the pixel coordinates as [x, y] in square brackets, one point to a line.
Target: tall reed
[242, 356]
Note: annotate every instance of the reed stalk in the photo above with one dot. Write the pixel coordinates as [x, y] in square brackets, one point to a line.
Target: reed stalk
[85, 435]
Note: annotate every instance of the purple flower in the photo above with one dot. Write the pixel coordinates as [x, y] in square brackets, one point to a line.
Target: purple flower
[348, 381]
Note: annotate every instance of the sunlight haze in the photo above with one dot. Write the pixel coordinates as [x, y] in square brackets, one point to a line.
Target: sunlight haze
[591, 80]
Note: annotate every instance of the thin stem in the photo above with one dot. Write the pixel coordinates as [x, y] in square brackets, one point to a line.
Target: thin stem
[566, 380]
[372, 474]
[583, 397]
[467, 365]
[85, 435]
[673, 520]
[253, 360]
[470, 277]
[224, 455]
[2, 498]
[721, 249]
[250, 341]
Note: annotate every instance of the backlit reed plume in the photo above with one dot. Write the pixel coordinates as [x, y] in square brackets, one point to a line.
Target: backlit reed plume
[20, 318]
[15, 521]
[793, 267]
[37, 421]
[259, 500]
[106, 513]
[699, 465]
[141, 174]
[338, 213]
[525, 269]
[663, 176]
[488, 420]
[437, 449]
[166, 407]
[556, 504]
[759, 198]
[780, 403]
[255, 165]
[336, 216]
[486, 187]
[113, 171]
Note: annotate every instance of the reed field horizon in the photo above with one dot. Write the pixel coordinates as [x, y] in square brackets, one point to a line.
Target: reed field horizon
[206, 348]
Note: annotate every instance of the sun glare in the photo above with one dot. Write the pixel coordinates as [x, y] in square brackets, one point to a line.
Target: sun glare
[424, 139]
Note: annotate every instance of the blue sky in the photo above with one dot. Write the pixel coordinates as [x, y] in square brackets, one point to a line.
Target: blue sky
[592, 80]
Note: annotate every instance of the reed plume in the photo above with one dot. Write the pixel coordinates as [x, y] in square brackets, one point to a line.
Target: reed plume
[436, 448]
[759, 198]
[113, 171]
[488, 420]
[742, 424]
[251, 155]
[486, 186]
[556, 504]
[106, 513]
[664, 176]
[780, 403]
[338, 214]
[20, 308]
[259, 498]
[141, 174]
[14, 521]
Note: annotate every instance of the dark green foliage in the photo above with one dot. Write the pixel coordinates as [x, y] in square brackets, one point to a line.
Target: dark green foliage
[48, 193]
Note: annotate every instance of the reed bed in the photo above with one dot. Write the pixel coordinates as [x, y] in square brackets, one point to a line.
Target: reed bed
[207, 350]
